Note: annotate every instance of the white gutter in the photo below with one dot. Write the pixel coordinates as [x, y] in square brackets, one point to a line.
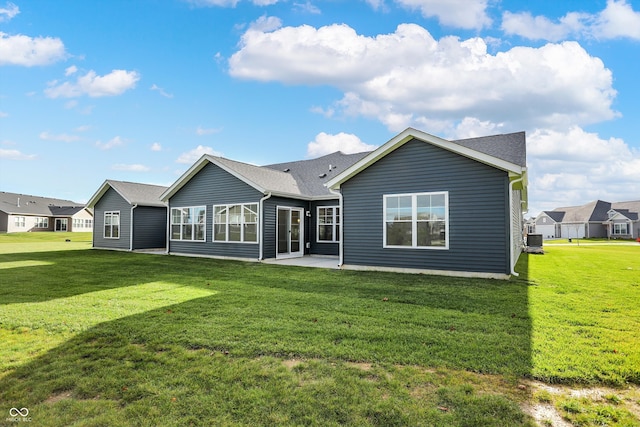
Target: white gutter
[513, 260]
[131, 228]
[260, 226]
[340, 243]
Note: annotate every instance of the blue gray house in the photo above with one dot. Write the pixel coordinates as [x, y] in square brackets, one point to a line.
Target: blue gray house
[418, 203]
[129, 216]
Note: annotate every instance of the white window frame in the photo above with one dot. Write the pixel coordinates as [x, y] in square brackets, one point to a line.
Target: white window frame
[335, 224]
[20, 222]
[242, 222]
[104, 228]
[42, 222]
[414, 220]
[194, 221]
[616, 230]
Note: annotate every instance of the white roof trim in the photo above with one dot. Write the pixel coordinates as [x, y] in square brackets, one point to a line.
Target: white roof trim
[406, 136]
[101, 191]
[197, 167]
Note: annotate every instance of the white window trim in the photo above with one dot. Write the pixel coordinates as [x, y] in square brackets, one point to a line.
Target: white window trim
[193, 230]
[414, 222]
[105, 223]
[626, 224]
[336, 222]
[242, 224]
[42, 222]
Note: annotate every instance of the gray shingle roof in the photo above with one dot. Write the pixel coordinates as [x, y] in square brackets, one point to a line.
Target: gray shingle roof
[311, 175]
[138, 194]
[592, 211]
[23, 204]
[632, 207]
[511, 147]
[555, 215]
[268, 179]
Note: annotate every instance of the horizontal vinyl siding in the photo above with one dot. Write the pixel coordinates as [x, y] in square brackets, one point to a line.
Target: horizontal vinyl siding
[150, 227]
[478, 211]
[111, 201]
[214, 186]
[321, 248]
[269, 216]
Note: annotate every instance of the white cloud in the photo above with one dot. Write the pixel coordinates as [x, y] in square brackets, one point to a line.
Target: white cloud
[83, 128]
[200, 131]
[15, 155]
[345, 142]
[307, 7]
[573, 167]
[30, 51]
[113, 142]
[266, 24]
[161, 91]
[541, 27]
[3, 114]
[62, 137]
[229, 3]
[115, 83]
[617, 20]
[156, 147]
[130, 168]
[407, 78]
[192, 156]
[70, 70]
[8, 12]
[470, 14]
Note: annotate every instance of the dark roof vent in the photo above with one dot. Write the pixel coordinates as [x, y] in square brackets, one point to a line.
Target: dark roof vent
[287, 170]
[322, 175]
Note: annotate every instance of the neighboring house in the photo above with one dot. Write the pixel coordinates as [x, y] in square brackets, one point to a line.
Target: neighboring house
[548, 224]
[20, 213]
[418, 203]
[129, 216]
[623, 220]
[597, 219]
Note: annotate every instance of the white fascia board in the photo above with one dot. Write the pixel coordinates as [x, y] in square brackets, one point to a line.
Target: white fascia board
[197, 167]
[101, 192]
[409, 134]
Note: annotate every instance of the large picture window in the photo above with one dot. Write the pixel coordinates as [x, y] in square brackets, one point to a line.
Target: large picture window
[328, 224]
[235, 223]
[42, 222]
[188, 223]
[112, 225]
[419, 220]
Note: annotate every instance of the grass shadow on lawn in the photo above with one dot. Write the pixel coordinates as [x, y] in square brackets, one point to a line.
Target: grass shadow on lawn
[42, 276]
[220, 356]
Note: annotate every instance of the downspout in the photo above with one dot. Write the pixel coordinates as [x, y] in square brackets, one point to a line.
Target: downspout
[512, 261]
[131, 228]
[260, 226]
[168, 229]
[340, 243]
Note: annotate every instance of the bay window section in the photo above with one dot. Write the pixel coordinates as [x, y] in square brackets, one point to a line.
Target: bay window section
[417, 220]
[189, 223]
[328, 224]
[235, 223]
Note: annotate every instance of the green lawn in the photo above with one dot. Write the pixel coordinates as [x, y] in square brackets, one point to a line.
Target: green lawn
[110, 338]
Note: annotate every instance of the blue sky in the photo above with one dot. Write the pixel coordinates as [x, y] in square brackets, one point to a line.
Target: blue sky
[138, 90]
